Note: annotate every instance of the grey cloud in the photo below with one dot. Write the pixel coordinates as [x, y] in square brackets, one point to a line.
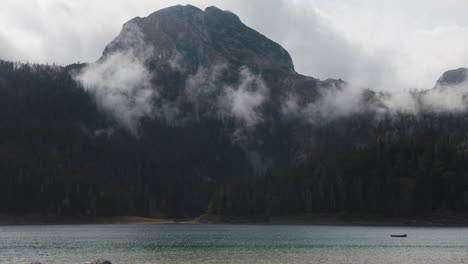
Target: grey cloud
[121, 83]
[451, 99]
[332, 103]
[176, 62]
[202, 87]
[244, 101]
[210, 95]
[338, 102]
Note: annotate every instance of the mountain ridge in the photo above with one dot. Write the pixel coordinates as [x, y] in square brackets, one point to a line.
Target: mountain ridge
[198, 36]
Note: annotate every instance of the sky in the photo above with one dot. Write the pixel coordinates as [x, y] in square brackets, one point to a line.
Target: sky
[385, 45]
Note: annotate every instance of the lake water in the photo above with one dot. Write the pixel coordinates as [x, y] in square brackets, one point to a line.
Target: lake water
[177, 243]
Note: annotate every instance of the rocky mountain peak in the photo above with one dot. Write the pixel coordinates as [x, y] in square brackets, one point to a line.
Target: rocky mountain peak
[453, 77]
[201, 38]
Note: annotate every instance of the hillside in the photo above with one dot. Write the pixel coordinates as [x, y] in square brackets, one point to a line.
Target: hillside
[190, 111]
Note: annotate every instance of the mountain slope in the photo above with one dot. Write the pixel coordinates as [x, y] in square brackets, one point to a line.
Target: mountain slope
[190, 111]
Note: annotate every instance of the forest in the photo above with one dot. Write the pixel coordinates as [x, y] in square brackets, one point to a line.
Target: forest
[62, 156]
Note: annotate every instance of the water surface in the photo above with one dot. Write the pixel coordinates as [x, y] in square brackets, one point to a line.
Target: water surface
[176, 243]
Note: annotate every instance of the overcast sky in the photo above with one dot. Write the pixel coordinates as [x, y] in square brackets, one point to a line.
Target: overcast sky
[387, 45]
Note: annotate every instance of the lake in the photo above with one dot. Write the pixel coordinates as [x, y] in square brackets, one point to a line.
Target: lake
[180, 243]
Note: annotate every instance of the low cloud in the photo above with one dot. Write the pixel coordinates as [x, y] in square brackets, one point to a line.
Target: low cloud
[121, 82]
[176, 62]
[211, 95]
[332, 103]
[446, 99]
[122, 86]
[202, 89]
[341, 102]
[244, 101]
[335, 102]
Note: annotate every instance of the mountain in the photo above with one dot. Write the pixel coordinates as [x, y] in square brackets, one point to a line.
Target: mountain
[179, 41]
[203, 38]
[453, 77]
[191, 112]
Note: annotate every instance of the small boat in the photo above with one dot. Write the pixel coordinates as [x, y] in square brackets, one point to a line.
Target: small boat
[404, 235]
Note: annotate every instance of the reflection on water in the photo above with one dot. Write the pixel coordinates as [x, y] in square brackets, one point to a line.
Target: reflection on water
[156, 243]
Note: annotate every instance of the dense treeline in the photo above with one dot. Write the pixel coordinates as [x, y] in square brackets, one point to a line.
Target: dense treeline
[60, 155]
[405, 166]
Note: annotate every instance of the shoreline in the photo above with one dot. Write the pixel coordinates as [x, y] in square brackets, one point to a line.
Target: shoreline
[19, 221]
[456, 221]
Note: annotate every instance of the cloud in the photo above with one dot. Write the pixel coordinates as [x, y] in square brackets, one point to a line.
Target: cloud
[446, 99]
[410, 55]
[332, 103]
[203, 87]
[335, 102]
[176, 62]
[121, 85]
[121, 82]
[210, 93]
[341, 102]
[244, 101]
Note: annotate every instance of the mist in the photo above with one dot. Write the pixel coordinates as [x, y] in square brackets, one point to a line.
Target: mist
[341, 102]
[244, 101]
[121, 82]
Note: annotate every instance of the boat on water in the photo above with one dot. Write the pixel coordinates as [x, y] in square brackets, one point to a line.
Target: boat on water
[404, 235]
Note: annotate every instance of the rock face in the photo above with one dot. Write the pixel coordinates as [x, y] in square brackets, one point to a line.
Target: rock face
[453, 77]
[202, 38]
[180, 41]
